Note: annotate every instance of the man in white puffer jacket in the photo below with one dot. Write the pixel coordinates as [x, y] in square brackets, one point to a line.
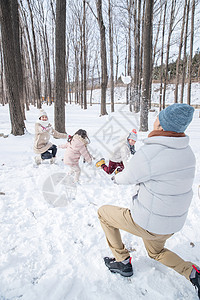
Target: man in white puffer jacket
[163, 171]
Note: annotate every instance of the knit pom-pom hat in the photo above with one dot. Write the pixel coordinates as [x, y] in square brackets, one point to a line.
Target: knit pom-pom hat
[42, 113]
[176, 117]
[133, 135]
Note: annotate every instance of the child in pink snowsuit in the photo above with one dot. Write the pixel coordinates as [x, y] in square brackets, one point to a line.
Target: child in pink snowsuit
[76, 148]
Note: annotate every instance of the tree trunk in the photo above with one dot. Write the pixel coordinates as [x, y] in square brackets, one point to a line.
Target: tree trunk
[81, 63]
[141, 52]
[17, 49]
[67, 73]
[17, 121]
[2, 95]
[191, 52]
[104, 76]
[185, 52]
[76, 76]
[48, 67]
[92, 85]
[168, 48]
[30, 58]
[128, 95]
[59, 112]
[157, 35]
[117, 56]
[84, 59]
[179, 55]
[147, 65]
[111, 55]
[53, 20]
[162, 53]
[35, 61]
[137, 17]
[29, 94]
[126, 71]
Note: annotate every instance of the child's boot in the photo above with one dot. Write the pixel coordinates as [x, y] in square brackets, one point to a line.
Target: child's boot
[117, 170]
[100, 162]
[38, 160]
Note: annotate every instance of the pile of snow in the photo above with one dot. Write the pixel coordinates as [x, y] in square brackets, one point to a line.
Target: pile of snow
[56, 253]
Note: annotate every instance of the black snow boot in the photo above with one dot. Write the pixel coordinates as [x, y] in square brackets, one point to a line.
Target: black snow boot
[195, 279]
[124, 267]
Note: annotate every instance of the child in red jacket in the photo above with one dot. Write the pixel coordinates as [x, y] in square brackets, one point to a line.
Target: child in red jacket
[120, 155]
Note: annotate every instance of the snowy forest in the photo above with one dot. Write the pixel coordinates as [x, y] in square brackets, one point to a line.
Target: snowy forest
[102, 70]
[59, 51]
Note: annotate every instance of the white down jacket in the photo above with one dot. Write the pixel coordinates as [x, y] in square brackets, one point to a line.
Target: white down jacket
[164, 170]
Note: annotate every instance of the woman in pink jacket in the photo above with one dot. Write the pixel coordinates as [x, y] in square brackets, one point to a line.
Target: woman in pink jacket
[75, 148]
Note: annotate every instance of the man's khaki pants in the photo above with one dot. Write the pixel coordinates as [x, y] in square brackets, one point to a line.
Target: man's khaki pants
[113, 218]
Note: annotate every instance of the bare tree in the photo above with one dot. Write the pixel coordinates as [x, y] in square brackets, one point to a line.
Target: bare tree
[185, 52]
[59, 112]
[191, 52]
[162, 53]
[111, 55]
[17, 49]
[141, 51]
[179, 54]
[104, 75]
[147, 65]
[84, 58]
[6, 13]
[157, 34]
[137, 17]
[42, 15]
[128, 89]
[173, 5]
[35, 59]
[117, 54]
[28, 56]
[81, 60]
[2, 94]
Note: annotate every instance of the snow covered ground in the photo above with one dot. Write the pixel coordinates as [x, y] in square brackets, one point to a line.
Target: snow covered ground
[56, 253]
[120, 93]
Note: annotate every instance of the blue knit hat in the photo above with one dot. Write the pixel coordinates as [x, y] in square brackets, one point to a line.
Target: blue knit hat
[176, 117]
